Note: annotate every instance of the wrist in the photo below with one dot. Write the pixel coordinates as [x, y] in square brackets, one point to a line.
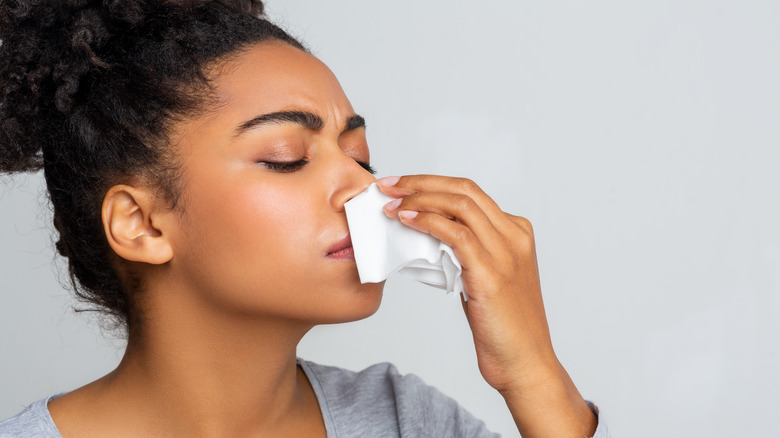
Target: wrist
[538, 375]
[550, 406]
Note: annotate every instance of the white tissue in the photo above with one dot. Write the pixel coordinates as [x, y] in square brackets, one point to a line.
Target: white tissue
[384, 246]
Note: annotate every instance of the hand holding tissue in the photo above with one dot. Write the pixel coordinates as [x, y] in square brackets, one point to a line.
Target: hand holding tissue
[505, 310]
[384, 246]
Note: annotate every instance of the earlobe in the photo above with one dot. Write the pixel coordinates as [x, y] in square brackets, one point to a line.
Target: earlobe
[129, 223]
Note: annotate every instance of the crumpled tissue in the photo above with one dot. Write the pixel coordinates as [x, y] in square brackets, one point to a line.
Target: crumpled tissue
[384, 246]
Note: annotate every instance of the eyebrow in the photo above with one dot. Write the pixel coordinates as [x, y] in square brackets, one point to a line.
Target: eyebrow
[306, 119]
[354, 122]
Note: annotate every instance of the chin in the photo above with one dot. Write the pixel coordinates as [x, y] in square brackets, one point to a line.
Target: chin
[354, 306]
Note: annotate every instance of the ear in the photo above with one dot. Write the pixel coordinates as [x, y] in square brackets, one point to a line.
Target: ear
[134, 222]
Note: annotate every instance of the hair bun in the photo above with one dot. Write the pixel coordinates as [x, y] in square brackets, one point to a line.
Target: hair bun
[49, 47]
[45, 50]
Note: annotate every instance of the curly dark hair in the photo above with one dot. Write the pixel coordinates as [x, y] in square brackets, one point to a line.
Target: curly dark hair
[90, 89]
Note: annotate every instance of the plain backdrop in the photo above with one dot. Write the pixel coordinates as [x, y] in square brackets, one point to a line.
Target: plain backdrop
[640, 138]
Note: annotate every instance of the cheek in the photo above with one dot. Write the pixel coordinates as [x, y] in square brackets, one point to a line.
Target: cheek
[281, 228]
[244, 238]
[270, 223]
[272, 214]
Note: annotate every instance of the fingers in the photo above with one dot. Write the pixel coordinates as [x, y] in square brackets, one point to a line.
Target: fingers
[522, 222]
[469, 250]
[457, 212]
[409, 184]
[461, 208]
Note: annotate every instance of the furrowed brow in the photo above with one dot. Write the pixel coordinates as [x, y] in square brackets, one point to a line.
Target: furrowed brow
[355, 122]
[304, 118]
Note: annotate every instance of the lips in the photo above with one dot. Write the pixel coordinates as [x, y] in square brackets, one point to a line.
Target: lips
[342, 249]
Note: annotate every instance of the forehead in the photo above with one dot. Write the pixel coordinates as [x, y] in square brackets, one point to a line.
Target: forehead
[272, 76]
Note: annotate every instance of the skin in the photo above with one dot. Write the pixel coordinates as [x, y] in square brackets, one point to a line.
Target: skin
[239, 272]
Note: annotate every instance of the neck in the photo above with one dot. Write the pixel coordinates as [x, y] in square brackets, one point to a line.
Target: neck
[202, 372]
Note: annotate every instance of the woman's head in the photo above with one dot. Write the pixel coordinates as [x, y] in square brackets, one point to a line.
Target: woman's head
[264, 182]
[103, 94]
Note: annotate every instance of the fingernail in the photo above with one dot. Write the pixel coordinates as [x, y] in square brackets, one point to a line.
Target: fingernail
[392, 205]
[407, 214]
[388, 181]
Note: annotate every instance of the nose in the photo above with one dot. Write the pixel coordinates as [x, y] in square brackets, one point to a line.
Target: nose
[349, 180]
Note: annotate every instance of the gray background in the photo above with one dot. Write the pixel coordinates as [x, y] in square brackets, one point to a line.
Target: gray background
[641, 140]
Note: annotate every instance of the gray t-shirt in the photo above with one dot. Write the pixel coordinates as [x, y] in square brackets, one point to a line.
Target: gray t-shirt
[376, 402]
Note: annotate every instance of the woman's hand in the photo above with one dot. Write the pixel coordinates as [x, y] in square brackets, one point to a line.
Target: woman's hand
[505, 309]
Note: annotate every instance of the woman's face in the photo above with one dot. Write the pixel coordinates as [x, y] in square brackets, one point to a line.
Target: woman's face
[255, 237]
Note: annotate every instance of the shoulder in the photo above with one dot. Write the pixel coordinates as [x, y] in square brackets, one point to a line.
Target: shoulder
[388, 403]
[347, 385]
[33, 422]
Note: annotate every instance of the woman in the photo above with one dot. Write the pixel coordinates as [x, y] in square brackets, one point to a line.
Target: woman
[198, 160]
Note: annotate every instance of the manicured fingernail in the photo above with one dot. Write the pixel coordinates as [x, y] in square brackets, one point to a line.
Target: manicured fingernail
[392, 205]
[407, 214]
[388, 181]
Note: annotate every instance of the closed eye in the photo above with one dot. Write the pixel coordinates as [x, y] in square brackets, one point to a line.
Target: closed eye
[367, 166]
[292, 166]
[285, 166]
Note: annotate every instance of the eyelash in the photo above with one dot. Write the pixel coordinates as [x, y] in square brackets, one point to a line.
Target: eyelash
[292, 166]
[286, 167]
[368, 167]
